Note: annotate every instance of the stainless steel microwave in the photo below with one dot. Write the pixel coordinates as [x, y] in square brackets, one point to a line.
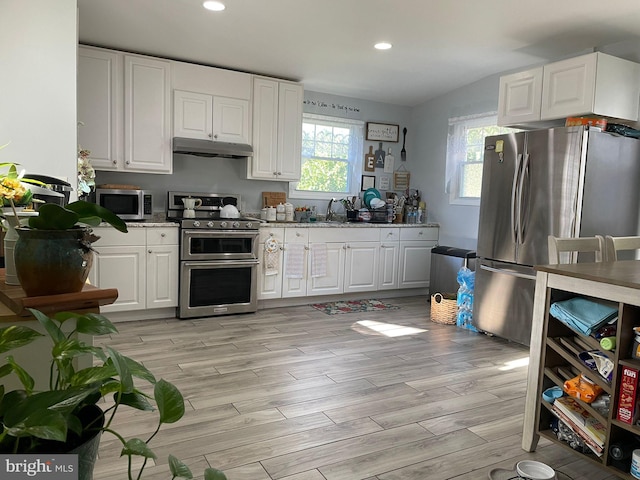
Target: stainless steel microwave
[127, 204]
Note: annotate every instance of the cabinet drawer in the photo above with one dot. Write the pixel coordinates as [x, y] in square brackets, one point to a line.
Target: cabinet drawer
[162, 236]
[109, 236]
[275, 232]
[389, 234]
[343, 234]
[419, 233]
[296, 235]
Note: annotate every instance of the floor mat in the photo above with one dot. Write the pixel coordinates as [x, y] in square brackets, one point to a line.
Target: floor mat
[353, 306]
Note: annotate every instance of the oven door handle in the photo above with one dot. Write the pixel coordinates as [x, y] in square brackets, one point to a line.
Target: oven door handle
[222, 263]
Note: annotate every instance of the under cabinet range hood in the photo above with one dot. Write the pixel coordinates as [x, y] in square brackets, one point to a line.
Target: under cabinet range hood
[210, 148]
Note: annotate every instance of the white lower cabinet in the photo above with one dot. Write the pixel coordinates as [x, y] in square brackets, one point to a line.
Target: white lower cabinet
[142, 264]
[357, 260]
[415, 256]
[388, 259]
[270, 275]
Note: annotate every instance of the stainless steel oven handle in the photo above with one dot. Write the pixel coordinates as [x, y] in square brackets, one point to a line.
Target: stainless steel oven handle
[202, 233]
[222, 263]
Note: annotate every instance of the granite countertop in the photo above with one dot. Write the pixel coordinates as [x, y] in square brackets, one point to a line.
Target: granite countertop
[346, 225]
[151, 224]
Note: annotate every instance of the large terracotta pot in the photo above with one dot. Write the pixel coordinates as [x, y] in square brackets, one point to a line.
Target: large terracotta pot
[51, 262]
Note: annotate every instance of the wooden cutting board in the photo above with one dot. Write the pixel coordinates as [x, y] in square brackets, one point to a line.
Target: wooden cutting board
[271, 199]
[370, 160]
[380, 154]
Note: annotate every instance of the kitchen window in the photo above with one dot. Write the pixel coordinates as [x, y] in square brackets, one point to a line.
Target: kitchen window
[465, 149]
[331, 160]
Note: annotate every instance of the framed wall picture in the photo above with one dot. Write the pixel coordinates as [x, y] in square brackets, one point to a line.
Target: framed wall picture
[384, 132]
[384, 183]
[368, 181]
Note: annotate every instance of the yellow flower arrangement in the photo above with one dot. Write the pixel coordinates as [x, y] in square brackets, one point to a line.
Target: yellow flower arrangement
[13, 191]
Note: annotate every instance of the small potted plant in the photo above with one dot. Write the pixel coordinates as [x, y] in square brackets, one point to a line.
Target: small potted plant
[64, 417]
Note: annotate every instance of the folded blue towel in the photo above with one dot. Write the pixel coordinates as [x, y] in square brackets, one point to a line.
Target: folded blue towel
[582, 314]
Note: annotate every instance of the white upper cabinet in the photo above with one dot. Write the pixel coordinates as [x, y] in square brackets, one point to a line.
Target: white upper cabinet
[277, 130]
[124, 104]
[100, 106]
[520, 97]
[208, 117]
[147, 115]
[592, 84]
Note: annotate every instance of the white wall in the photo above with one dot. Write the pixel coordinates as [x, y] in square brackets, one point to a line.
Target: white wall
[458, 223]
[38, 43]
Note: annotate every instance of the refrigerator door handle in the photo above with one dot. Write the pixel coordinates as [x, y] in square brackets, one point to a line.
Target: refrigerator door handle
[508, 272]
[520, 205]
[514, 190]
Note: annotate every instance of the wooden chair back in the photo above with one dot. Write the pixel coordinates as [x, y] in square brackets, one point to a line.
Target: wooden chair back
[613, 245]
[565, 250]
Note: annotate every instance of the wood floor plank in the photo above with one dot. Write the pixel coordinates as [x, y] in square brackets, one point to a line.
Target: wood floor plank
[294, 394]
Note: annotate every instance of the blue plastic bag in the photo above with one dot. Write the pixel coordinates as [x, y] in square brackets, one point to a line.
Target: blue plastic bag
[466, 280]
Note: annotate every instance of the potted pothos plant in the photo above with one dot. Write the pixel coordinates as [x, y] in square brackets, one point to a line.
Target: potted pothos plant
[53, 253]
[59, 418]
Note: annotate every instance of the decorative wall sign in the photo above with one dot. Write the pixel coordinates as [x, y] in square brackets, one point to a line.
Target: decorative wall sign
[380, 154]
[368, 181]
[401, 179]
[385, 132]
[389, 162]
[370, 161]
[384, 183]
[320, 104]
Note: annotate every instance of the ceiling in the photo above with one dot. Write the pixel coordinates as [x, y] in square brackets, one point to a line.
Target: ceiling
[438, 45]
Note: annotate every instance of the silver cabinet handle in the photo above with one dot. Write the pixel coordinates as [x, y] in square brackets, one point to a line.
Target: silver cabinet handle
[163, 235]
[150, 251]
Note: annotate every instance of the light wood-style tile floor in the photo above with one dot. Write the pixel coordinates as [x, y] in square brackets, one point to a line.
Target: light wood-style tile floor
[295, 394]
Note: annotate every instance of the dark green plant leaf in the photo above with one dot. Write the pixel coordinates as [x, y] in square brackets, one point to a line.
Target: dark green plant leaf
[178, 468]
[5, 370]
[45, 424]
[169, 400]
[10, 400]
[70, 348]
[16, 336]
[53, 400]
[86, 210]
[140, 371]
[214, 474]
[52, 327]
[74, 424]
[135, 446]
[135, 400]
[53, 217]
[95, 324]
[89, 375]
[119, 362]
[25, 379]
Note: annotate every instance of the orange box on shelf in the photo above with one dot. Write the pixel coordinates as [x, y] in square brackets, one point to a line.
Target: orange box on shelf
[591, 121]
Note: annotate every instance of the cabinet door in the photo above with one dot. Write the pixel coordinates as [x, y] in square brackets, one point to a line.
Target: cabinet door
[265, 129]
[333, 282]
[147, 132]
[415, 262]
[361, 266]
[520, 97]
[162, 276]
[290, 99]
[124, 268]
[100, 106]
[192, 115]
[230, 120]
[388, 266]
[568, 87]
[269, 286]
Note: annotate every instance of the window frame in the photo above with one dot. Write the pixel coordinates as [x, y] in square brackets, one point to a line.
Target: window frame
[355, 163]
[456, 153]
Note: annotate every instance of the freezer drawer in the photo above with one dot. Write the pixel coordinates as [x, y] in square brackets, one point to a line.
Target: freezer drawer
[503, 300]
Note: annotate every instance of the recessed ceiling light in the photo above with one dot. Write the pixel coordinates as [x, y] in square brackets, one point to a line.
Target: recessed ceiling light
[214, 6]
[382, 46]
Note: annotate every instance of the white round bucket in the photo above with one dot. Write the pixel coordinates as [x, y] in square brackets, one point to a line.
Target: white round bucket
[532, 470]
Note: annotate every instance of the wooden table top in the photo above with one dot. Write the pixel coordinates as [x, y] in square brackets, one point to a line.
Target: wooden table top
[14, 301]
[623, 273]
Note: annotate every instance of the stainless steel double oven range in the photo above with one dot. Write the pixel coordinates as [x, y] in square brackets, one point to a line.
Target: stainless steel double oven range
[218, 257]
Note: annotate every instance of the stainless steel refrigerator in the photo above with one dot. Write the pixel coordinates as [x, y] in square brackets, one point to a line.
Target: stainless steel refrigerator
[566, 182]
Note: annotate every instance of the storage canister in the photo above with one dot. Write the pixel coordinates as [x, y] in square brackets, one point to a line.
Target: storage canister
[635, 463]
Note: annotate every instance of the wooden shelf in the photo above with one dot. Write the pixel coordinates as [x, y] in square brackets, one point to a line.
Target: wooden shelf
[16, 302]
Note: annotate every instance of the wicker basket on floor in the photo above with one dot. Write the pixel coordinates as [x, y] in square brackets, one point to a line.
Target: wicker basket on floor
[444, 308]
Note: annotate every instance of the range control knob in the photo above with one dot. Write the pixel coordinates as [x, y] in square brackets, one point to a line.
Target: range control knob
[210, 224]
[236, 224]
[223, 224]
[196, 223]
[249, 225]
